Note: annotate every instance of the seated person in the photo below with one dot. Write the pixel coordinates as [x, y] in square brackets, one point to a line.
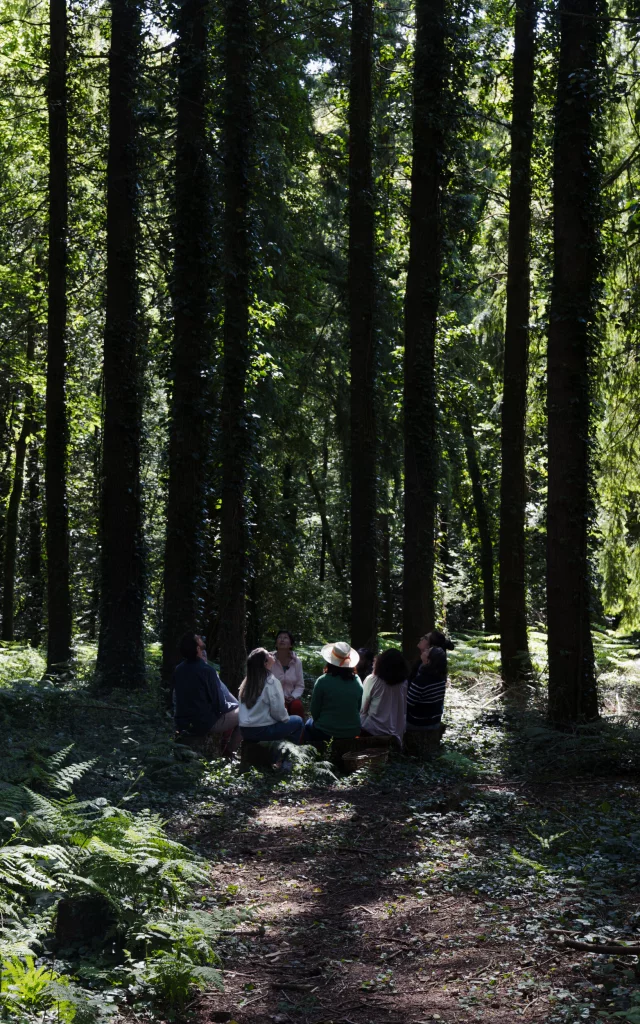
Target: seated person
[384, 701]
[288, 669]
[336, 698]
[425, 695]
[199, 702]
[263, 715]
[433, 639]
[365, 663]
[230, 702]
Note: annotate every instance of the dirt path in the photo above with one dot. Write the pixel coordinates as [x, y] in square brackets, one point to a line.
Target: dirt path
[354, 934]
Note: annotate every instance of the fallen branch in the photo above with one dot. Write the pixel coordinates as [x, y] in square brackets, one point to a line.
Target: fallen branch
[614, 949]
[246, 934]
[295, 986]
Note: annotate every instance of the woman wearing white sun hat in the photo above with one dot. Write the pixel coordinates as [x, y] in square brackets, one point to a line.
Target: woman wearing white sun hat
[337, 696]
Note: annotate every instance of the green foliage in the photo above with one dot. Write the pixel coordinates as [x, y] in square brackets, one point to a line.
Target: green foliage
[23, 986]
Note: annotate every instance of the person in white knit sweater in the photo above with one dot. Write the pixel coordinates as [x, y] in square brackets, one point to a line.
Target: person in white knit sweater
[263, 715]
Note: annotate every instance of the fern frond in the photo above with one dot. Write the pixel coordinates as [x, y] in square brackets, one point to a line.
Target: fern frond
[64, 779]
[209, 976]
[54, 761]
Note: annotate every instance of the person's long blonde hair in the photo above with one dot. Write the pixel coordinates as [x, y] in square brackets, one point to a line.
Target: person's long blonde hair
[253, 683]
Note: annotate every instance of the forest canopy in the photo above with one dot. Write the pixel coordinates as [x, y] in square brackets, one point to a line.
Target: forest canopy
[319, 316]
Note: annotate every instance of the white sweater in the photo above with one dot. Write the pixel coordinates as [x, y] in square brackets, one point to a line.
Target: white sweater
[268, 708]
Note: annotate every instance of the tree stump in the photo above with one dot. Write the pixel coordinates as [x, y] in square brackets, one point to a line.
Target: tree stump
[208, 746]
[341, 746]
[261, 755]
[423, 744]
[83, 920]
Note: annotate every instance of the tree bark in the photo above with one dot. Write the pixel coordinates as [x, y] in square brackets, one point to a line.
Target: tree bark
[34, 611]
[331, 548]
[289, 519]
[57, 516]
[324, 536]
[482, 522]
[514, 644]
[11, 537]
[576, 212]
[237, 129]
[192, 338]
[121, 646]
[421, 313]
[364, 587]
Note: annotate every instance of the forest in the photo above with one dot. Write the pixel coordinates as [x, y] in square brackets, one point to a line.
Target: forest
[320, 317]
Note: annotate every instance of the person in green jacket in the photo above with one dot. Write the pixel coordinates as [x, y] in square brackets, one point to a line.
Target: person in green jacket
[336, 698]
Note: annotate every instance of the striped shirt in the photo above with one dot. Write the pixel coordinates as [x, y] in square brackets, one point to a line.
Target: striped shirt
[425, 698]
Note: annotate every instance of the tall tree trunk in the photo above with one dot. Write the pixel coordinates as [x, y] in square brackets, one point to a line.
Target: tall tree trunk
[576, 212]
[331, 548]
[325, 473]
[289, 519]
[57, 516]
[34, 611]
[421, 314]
[254, 618]
[386, 617]
[364, 587]
[514, 645]
[11, 536]
[191, 352]
[482, 522]
[237, 142]
[94, 600]
[121, 646]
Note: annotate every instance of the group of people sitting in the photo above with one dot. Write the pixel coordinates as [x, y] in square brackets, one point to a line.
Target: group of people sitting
[389, 700]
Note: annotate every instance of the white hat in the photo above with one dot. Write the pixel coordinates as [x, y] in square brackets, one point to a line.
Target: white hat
[340, 654]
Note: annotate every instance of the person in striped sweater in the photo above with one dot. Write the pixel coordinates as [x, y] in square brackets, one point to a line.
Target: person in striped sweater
[425, 696]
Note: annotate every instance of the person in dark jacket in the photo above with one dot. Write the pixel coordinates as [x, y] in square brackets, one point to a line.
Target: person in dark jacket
[200, 705]
[425, 696]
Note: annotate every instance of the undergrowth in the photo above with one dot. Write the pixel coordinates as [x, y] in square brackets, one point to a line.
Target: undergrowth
[93, 802]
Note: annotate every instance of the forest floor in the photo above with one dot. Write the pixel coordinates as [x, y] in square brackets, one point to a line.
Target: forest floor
[429, 892]
[363, 920]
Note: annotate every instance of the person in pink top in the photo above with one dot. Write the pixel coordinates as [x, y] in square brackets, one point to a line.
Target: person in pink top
[288, 669]
[384, 701]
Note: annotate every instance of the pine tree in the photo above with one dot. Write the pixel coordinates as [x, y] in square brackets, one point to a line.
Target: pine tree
[514, 645]
[191, 351]
[576, 212]
[238, 124]
[57, 537]
[421, 313]
[121, 647]
[364, 586]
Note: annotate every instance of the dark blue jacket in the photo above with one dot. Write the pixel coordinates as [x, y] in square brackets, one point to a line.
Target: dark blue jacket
[198, 699]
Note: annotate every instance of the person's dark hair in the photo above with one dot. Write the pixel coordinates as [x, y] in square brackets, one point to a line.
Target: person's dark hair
[340, 670]
[188, 647]
[391, 667]
[367, 657]
[438, 639]
[437, 662]
[287, 633]
[253, 683]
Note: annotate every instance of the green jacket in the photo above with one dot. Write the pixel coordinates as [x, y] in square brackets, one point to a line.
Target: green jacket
[335, 705]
